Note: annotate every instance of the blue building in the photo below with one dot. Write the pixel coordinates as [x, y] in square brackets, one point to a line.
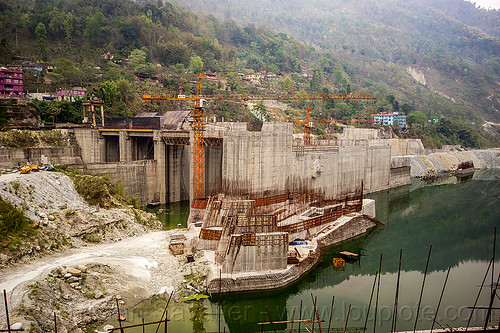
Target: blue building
[390, 119]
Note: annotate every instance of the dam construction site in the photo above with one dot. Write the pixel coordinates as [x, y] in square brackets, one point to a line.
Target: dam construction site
[264, 206]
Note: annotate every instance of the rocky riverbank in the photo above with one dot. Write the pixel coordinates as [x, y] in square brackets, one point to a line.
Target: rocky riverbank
[61, 217]
[440, 163]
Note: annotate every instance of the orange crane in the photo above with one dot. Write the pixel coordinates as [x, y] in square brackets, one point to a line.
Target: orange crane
[307, 127]
[198, 116]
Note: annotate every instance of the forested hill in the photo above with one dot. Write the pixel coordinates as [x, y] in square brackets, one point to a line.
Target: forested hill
[450, 46]
[436, 62]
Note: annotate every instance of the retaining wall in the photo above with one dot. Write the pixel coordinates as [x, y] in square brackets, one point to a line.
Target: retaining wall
[139, 177]
[14, 157]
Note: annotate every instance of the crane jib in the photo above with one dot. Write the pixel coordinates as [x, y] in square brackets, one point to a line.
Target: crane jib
[149, 98]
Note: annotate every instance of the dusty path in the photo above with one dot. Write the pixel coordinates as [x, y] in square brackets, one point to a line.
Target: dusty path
[144, 265]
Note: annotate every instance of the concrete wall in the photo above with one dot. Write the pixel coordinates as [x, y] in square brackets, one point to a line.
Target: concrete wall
[356, 226]
[213, 170]
[139, 177]
[400, 171]
[257, 162]
[269, 252]
[92, 145]
[263, 163]
[401, 147]
[353, 133]
[14, 157]
[178, 173]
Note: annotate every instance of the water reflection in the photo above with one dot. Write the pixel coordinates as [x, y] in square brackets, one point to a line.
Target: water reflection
[242, 313]
[172, 215]
[456, 218]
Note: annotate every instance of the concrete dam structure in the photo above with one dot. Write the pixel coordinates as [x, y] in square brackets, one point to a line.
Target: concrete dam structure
[156, 165]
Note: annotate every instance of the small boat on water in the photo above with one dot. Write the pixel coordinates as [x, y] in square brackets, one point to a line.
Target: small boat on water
[349, 255]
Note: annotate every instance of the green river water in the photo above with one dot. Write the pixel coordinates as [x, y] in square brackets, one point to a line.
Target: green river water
[457, 218]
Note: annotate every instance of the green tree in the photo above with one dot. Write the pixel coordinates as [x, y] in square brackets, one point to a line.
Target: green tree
[56, 24]
[196, 64]
[51, 111]
[315, 82]
[69, 26]
[138, 61]
[344, 110]
[94, 29]
[260, 111]
[66, 72]
[234, 81]
[41, 39]
[108, 91]
[3, 115]
[287, 84]
[126, 95]
[273, 68]
[406, 108]
[417, 118]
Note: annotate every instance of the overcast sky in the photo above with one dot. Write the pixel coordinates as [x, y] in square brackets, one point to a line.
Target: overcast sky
[487, 3]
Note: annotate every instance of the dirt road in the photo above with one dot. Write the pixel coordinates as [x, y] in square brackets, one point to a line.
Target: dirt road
[143, 267]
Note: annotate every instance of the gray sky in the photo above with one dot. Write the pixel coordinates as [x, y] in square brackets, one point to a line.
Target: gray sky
[487, 3]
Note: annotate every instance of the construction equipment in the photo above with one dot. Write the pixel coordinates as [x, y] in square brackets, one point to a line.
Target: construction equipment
[198, 116]
[307, 127]
[30, 167]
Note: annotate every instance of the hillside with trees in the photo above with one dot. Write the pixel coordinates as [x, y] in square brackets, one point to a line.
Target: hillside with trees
[439, 57]
[440, 69]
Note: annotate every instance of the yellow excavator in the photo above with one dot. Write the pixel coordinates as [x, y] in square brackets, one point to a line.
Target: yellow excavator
[30, 167]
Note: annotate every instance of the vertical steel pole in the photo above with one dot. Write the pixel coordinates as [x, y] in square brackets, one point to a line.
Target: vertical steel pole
[270, 319]
[478, 294]
[492, 299]
[331, 314]
[395, 311]
[6, 310]
[347, 319]
[119, 316]
[220, 291]
[422, 289]
[370, 302]
[300, 314]
[166, 322]
[440, 298]
[378, 289]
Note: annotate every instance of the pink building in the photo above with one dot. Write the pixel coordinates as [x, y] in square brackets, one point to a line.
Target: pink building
[11, 82]
[66, 94]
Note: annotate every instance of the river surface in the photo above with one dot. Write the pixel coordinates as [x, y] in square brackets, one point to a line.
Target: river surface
[457, 218]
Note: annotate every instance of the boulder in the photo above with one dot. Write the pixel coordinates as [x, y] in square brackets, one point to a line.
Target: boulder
[16, 326]
[82, 268]
[107, 328]
[74, 271]
[73, 279]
